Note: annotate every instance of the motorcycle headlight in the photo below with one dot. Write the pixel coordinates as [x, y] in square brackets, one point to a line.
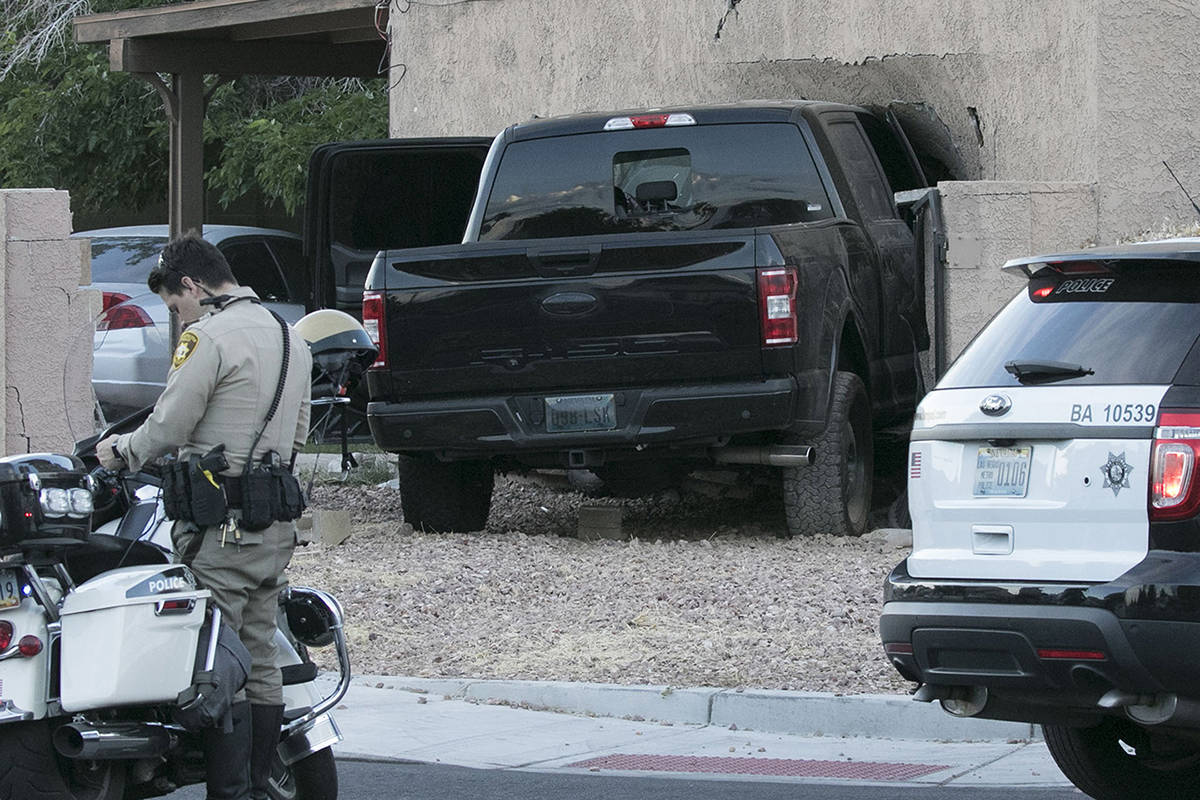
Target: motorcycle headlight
[81, 502]
[55, 502]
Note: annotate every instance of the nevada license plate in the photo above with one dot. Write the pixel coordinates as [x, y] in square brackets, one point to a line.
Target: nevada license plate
[1002, 471]
[10, 588]
[584, 412]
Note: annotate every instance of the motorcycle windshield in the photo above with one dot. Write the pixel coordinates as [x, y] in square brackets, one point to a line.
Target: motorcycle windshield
[126, 351]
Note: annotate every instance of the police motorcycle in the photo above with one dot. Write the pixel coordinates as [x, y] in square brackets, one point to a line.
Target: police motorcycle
[111, 654]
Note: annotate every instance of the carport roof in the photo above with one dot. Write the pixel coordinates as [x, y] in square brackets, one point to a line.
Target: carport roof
[332, 38]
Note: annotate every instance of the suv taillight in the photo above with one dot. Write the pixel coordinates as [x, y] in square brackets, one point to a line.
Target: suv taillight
[777, 306]
[375, 325]
[1174, 488]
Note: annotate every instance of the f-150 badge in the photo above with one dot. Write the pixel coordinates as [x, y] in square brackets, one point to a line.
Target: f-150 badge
[1116, 473]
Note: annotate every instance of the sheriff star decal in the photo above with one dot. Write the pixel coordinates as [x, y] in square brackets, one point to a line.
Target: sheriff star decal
[185, 348]
[1116, 473]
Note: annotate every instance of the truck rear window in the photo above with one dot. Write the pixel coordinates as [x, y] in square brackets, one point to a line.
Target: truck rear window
[1134, 326]
[664, 179]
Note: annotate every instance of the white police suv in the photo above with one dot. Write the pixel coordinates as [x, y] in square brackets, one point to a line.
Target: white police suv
[1055, 497]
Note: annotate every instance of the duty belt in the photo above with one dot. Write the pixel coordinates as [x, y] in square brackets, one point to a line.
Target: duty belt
[233, 490]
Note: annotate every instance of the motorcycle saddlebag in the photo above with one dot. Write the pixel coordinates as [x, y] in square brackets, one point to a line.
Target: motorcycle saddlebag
[129, 637]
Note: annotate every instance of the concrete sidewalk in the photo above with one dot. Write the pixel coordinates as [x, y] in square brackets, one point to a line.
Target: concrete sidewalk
[753, 735]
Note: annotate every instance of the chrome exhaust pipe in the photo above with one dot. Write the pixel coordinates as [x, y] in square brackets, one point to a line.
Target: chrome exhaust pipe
[1163, 709]
[123, 740]
[780, 455]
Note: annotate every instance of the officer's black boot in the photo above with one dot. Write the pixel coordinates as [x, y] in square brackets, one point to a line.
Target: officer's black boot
[264, 744]
[226, 761]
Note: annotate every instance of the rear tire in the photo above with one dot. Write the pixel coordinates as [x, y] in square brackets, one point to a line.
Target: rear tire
[313, 777]
[31, 769]
[1098, 761]
[898, 515]
[445, 497]
[833, 493]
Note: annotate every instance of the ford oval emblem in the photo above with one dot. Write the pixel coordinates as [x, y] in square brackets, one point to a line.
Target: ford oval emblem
[570, 304]
[995, 405]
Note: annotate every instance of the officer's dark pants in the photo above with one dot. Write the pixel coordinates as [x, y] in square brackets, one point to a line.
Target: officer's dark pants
[245, 580]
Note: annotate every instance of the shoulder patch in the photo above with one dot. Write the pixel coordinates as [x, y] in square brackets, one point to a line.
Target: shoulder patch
[185, 348]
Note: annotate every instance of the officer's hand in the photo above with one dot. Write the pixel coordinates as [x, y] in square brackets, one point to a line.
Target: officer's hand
[105, 455]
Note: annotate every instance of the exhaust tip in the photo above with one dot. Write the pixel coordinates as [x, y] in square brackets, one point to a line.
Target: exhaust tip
[68, 741]
[965, 701]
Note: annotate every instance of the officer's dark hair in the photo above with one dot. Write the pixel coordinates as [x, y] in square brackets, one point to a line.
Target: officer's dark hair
[194, 257]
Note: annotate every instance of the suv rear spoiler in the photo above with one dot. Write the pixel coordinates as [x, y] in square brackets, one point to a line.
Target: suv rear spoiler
[1172, 250]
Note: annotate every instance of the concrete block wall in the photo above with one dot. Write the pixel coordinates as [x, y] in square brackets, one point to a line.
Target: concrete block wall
[989, 222]
[46, 328]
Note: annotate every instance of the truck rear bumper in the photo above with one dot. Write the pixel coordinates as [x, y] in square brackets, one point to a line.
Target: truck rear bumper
[515, 424]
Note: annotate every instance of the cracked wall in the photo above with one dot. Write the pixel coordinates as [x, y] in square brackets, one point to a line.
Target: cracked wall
[46, 328]
[1088, 91]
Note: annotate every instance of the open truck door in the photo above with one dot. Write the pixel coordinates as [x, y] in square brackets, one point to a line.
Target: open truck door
[368, 196]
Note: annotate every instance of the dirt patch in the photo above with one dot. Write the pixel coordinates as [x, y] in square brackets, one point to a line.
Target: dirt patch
[705, 594]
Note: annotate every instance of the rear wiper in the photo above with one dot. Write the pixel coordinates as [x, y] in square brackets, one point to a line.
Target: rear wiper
[1045, 371]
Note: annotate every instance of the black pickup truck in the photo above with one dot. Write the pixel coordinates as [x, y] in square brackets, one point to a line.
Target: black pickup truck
[640, 294]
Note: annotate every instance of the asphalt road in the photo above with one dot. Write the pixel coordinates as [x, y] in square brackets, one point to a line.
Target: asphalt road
[373, 780]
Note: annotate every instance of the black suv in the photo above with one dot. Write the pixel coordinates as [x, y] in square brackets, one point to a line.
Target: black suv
[1052, 474]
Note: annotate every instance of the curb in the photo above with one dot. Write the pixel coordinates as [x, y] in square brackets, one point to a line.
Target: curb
[797, 713]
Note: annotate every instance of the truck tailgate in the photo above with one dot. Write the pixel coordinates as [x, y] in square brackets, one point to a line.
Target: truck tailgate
[571, 313]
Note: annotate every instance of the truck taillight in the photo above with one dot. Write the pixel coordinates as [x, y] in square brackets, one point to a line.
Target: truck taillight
[649, 121]
[1174, 489]
[777, 306]
[375, 325]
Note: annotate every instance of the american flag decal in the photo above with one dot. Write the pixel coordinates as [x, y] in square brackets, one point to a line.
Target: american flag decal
[914, 465]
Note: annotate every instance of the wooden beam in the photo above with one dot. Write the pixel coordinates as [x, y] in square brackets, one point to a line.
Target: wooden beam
[209, 57]
[201, 15]
[351, 19]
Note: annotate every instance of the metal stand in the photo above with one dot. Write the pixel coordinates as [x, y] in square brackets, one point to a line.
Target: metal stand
[348, 461]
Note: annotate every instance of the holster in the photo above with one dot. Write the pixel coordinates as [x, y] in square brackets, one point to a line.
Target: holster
[191, 490]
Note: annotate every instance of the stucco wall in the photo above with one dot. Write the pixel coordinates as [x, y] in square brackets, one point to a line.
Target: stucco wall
[1096, 91]
[1052, 119]
[45, 331]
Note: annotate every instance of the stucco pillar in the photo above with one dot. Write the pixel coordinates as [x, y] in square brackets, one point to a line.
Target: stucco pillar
[46, 328]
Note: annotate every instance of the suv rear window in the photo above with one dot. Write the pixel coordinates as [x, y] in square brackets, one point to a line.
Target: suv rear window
[1134, 326]
[664, 179]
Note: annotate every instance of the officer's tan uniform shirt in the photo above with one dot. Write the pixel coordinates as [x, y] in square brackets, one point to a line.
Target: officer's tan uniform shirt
[220, 387]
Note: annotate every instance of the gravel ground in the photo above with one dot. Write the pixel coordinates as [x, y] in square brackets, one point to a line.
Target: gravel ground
[703, 594]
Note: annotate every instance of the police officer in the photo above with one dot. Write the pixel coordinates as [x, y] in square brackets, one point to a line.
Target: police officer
[223, 379]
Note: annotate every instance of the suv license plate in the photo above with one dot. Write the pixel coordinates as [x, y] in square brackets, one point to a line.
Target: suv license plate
[10, 588]
[1002, 471]
[585, 412]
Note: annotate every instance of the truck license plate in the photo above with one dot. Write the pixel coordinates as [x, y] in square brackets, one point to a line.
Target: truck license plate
[10, 588]
[584, 412]
[1002, 471]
